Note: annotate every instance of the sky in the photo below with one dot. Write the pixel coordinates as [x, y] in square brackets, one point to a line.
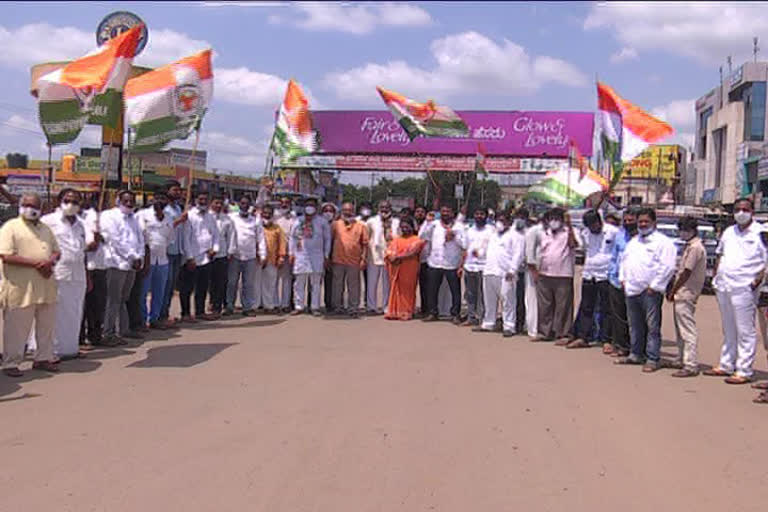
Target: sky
[469, 55]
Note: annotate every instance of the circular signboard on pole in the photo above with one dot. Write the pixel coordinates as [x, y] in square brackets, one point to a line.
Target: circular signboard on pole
[118, 22]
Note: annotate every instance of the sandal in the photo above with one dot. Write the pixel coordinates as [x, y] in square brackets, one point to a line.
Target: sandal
[761, 385]
[607, 349]
[46, 366]
[762, 398]
[562, 342]
[628, 360]
[13, 372]
[738, 380]
[578, 344]
[684, 373]
[716, 372]
[650, 367]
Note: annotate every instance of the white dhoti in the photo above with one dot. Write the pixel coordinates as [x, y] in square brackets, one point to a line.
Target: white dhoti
[283, 285]
[495, 289]
[737, 310]
[300, 290]
[69, 316]
[531, 309]
[269, 287]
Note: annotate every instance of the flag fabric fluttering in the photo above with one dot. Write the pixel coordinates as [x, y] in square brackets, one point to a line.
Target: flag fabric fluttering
[566, 186]
[576, 160]
[480, 159]
[424, 119]
[169, 102]
[625, 129]
[294, 135]
[86, 90]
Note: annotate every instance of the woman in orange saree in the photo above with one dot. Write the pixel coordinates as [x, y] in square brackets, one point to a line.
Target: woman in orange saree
[403, 265]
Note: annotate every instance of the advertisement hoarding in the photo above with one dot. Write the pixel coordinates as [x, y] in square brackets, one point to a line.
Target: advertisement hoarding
[659, 161]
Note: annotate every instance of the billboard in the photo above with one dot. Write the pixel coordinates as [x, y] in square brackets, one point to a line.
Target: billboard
[658, 161]
[507, 133]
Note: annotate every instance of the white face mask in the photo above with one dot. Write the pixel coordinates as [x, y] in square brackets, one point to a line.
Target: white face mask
[645, 231]
[742, 217]
[519, 224]
[500, 226]
[70, 209]
[29, 212]
[328, 215]
[310, 210]
[554, 225]
[126, 210]
[365, 212]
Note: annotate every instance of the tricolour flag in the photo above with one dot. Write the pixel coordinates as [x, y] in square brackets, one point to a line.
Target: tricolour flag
[566, 186]
[425, 119]
[87, 90]
[576, 160]
[625, 129]
[294, 135]
[168, 103]
[480, 159]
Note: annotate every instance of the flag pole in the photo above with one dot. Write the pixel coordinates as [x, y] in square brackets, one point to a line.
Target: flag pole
[191, 169]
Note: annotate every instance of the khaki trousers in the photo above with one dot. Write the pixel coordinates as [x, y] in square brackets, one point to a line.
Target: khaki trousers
[555, 306]
[17, 324]
[687, 335]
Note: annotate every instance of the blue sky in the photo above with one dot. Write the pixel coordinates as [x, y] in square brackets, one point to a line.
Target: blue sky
[473, 55]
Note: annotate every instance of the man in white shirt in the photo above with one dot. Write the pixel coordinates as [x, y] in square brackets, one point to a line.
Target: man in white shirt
[285, 218]
[381, 230]
[533, 236]
[446, 243]
[96, 295]
[648, 264]
[69, 273]
[123, 256]
[158, 232]
[478, 237]
[220, 265]
[310, 249]
[420, 216]
[505, 254]
[176, 250]
[739, 270]
[202, 244]
[597, 239]
[249, 251]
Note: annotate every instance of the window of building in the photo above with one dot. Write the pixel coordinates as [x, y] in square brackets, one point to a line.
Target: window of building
[703, 117]
[719, 142]
[756, 113]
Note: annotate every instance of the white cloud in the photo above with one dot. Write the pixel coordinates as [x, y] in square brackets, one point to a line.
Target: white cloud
[704, 31]
[165, 46]
[246, 87]
[466, 63]
[678, 113]
[624, 54]
[354, 18]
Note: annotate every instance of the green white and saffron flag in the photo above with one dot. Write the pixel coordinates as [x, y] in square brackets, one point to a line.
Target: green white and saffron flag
[87, 90]
[294, 135]
[168, 103]
[424, 119]
[568, 186]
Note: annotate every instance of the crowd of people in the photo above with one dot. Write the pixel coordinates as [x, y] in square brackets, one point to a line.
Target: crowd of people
[75, 279]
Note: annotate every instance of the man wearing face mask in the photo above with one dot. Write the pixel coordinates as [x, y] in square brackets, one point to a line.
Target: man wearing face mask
[29, 251]
[350, 245]
[176, 249]
[504, 256]
[739, 271]
[554, 287]
[250, 252]
[96, 296]
[381, 230]
[646, 268]
[70, 272]
[220, 264]
[158, 232]
[477, 239]
[285, 218]
[532, 247]
[598, 239]
[617, 301]
[124, 250]
[329, 212]
[276, 244]
[520, 225]
[310, 247]
[202, 244]
[684, 292]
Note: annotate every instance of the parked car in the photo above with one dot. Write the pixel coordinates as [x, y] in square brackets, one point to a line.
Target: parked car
[708, 237]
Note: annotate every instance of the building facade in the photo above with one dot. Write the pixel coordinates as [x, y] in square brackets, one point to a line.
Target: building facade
[730, 138]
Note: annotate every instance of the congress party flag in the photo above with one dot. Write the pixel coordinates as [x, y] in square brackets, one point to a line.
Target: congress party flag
[480, 159]
[294, 135]
[168, 103]
[566, 186]
[425, 119]
[86, 90]
[625, 129]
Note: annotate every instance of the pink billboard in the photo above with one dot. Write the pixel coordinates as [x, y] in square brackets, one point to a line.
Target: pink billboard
[509, 133]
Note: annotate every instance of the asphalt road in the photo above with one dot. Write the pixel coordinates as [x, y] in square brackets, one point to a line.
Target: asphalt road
[304, 414]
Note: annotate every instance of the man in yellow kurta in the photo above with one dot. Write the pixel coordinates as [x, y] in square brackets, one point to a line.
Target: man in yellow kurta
[29, 252]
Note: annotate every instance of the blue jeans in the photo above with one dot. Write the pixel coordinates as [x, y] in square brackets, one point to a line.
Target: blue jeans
[174, 265]
[644, 314]
[156, 282]
[246, 269]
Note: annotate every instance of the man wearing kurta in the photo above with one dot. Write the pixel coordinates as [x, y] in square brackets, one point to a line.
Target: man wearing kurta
[349, 258]
[382, 229]
[250, 252]
[309, 245]
[29, 251]
[276, 242]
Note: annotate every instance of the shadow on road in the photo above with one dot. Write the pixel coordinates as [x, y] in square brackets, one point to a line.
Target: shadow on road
[180, 356]
[215, 325]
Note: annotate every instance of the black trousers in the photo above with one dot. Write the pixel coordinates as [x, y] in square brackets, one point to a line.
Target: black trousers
[520, 319]
[95, 305]
[434, 280]
[593, 294]
[328, 290]
[423, 288]
[197, 281]
[218, 285]
[619, 324]
[134, 303]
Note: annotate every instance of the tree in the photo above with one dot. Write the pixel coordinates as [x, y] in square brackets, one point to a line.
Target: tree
[17, 160]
